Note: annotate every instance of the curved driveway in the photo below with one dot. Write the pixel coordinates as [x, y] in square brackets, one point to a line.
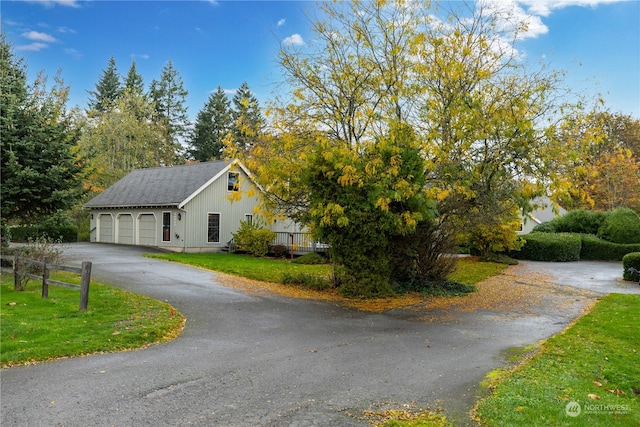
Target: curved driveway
[246, 360]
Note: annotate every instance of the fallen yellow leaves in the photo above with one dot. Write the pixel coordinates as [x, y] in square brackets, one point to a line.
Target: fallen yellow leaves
[517, 290]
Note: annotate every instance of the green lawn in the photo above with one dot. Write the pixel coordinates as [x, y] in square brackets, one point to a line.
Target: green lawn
[36, 329]
[469, 271]
[594, 364]
[265, 269]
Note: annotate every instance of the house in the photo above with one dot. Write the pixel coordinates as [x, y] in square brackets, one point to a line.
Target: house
[188, 208]
[544, 212]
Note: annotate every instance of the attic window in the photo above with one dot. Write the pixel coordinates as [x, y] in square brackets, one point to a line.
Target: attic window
[234, 181]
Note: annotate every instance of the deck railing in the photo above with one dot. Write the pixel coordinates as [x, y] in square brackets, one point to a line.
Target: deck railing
[291, 243]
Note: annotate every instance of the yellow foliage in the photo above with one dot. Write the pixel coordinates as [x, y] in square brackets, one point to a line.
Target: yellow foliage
[383, 203]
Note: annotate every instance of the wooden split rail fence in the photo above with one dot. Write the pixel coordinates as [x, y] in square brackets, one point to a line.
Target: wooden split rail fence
[19, 271]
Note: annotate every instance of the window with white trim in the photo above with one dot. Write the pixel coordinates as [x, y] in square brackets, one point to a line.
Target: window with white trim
[213, 228]
[166, 226]
[233, 181]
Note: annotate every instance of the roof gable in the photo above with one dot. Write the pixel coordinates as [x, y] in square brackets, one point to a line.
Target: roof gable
[163, 186]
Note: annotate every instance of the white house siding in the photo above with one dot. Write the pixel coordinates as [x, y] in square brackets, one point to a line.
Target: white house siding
[215, 199]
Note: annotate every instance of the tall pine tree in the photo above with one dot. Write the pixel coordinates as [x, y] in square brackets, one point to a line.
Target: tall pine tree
[107, 90]
[247, 118]
[134, 82]
[170, 97]
[212, 126]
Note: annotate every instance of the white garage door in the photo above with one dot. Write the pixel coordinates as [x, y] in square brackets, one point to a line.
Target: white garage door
[106, 228]
[147, 230]
[125, 229]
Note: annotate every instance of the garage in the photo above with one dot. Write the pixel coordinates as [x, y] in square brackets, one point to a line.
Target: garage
[105, 225]
[147, 230]
[125, 229]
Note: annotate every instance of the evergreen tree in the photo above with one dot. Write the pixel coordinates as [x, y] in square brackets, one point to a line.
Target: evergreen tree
[107, 90]
[212, 126]
[40, 173]
[169, 97]
[134, 81]
[247, 118]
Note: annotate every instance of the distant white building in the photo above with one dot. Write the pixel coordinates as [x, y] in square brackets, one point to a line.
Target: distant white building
[544, 213]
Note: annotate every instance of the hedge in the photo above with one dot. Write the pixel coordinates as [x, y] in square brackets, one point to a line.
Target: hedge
[63, 233]
[594, 248]
[550, 247]
[631, 265]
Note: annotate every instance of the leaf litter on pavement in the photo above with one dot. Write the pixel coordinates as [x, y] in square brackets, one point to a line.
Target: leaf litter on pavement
[518, 291]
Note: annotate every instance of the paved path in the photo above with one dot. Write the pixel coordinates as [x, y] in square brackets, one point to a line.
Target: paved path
[246, 360]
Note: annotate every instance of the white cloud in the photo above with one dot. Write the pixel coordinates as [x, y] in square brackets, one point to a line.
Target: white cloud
[281, 22]
[66, 30]
[546, 7]
[511, 16]
[293, 40]
[76, 54]
[33, 47]
[52, 3]
[531, 13]
[38, 36]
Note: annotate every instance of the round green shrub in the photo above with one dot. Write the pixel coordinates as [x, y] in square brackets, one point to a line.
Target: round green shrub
[545, 227]
[253, 238]
[631, 265]
[621, 226]
[560, 247]
[310, 258]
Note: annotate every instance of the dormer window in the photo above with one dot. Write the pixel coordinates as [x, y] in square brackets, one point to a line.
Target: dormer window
[234, 181]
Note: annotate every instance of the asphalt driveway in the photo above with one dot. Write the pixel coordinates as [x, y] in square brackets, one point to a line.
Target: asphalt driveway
[247, 360]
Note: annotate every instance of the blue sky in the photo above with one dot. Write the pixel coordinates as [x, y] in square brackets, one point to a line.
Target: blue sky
[224, 43]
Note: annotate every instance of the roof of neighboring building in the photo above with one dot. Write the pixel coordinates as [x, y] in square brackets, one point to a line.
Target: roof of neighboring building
[545, 210]
[162, 186]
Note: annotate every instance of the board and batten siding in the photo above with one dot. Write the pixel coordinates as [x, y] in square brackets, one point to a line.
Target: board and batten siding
[215, 199]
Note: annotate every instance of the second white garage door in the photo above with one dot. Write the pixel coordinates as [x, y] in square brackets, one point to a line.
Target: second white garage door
[147, 230]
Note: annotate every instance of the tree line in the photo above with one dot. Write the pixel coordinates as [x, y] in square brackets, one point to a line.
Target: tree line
[402, 131]
[126, 128]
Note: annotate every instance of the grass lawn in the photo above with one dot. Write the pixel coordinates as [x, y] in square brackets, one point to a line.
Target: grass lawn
[469, 271]
[264, 269]
[587, 375]
[36, 329]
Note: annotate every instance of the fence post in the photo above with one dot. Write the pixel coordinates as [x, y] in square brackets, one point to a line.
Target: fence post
[84, 287]
[45, 278]
[16, 273]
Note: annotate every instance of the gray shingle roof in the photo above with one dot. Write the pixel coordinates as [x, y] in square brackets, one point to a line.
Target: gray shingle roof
[164, 186]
